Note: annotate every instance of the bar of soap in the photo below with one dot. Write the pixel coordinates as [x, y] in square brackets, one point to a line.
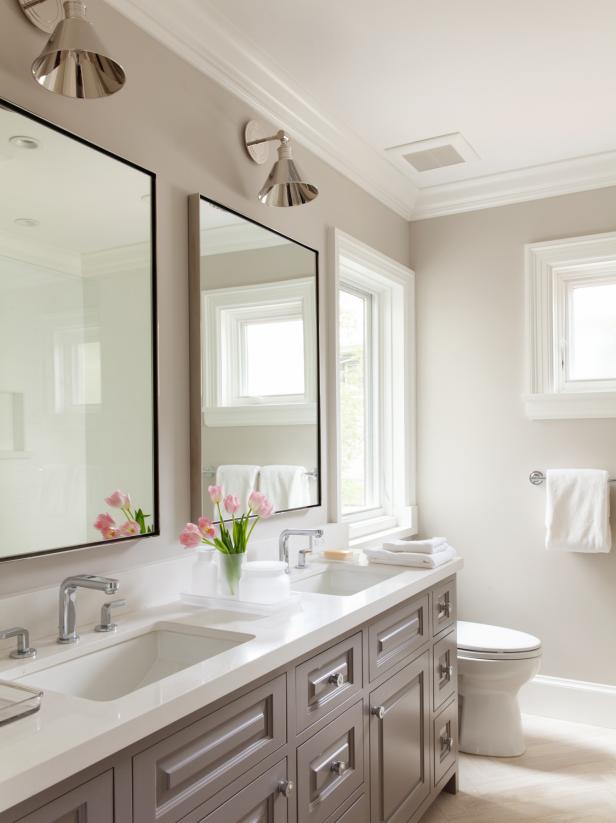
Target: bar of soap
[338, 554]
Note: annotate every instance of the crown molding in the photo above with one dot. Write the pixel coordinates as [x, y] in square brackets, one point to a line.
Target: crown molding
[199, 34]
[593, 171]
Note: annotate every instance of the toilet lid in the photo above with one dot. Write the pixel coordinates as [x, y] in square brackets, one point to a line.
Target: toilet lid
[480, 637]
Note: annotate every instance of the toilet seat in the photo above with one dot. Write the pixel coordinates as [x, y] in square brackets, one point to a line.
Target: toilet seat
[480, 641]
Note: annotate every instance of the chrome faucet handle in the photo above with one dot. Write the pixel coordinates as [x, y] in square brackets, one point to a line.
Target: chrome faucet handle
[301, 558]
[23, 650]
[106, 625]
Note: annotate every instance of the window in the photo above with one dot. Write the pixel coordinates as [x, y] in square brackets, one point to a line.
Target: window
[358, 449]
[375, 390]
[259, 355]
[571, 301]
[77, 369]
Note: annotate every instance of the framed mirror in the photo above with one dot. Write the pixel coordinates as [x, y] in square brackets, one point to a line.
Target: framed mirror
[254, 362]
[78, 415]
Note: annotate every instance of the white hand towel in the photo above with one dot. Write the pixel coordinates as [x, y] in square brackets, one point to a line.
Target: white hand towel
[239, 480]
[286, 486]
[577, 511]
[417, 561]
[431, 546]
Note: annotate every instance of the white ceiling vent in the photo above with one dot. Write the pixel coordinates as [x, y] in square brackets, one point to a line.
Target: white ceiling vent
[433, 153]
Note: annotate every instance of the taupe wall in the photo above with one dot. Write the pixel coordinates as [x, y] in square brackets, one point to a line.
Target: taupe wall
[182, 126]
[476, 447]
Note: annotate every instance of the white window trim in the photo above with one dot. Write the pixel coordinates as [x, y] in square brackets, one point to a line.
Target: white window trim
[379, 273]
[279, 411]
[549, 267]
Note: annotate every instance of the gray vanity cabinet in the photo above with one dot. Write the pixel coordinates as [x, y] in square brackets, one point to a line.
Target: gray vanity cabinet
[262, 801]
[362, 729]
[400, 743]
[90, 803]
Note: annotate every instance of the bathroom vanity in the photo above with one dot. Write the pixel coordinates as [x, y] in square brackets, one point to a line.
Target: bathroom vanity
[342, 710]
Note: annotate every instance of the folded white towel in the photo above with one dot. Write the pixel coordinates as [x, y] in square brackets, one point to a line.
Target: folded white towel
[577, 510]
[239, 480]
[286, 486]
[417, 561]
[431, 546]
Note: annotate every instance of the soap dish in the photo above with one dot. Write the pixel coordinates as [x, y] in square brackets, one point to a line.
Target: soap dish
[17, 701]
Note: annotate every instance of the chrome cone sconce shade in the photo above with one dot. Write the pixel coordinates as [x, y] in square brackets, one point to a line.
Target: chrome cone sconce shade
[285, 185]
[74, 63]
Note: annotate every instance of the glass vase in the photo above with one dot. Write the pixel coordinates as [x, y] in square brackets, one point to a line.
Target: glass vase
[229, 573]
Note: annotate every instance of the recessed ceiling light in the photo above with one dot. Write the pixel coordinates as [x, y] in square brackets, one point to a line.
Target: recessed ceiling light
[26, 222]
[22, 141]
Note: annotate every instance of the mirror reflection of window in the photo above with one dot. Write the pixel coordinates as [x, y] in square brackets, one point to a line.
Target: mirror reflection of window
[259, 358]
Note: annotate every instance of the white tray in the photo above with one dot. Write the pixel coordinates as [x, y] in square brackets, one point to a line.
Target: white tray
[232, 604]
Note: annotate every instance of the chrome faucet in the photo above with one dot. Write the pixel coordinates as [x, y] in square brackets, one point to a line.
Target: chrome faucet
[68, 589]
[283, 545]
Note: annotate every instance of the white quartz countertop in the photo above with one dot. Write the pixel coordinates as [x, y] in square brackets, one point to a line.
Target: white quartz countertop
[69, 734]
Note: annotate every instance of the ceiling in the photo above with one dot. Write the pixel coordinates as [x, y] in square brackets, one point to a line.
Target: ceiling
[529, 84]
[81, 200]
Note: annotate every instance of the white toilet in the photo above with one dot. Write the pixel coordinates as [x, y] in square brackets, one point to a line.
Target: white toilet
[493, 664]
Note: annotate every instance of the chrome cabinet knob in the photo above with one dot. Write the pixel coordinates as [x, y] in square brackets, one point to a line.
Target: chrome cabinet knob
[336, 679]
[339, 766]
[446, 671]
[444, 610]
[378, 711]
[285, 788]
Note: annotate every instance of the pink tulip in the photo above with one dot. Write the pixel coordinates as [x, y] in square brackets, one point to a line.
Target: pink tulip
[130, 528]
[231, 503]
[216, 493]
[190, 536]
[206, 528]
[255, 499]
[267, 509]
[118, 500]
[110, 533]
[103, 522]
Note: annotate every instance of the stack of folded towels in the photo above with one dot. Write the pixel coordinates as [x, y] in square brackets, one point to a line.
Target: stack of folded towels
[419, 554]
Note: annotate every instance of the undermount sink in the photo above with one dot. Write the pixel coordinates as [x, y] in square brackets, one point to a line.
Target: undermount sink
[343, 581]
[117, 670]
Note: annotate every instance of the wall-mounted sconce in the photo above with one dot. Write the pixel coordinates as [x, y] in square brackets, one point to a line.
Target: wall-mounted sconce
[74, 62]
[285, 185]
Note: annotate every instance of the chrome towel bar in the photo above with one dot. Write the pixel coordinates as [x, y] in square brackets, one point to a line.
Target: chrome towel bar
[537, 478]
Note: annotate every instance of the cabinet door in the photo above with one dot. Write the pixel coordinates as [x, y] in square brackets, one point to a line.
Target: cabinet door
[262, 801]
[400, 743]
[90, 803]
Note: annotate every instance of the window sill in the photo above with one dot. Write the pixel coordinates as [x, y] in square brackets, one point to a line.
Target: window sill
[378, 537]
[587, 405]
[368, 533]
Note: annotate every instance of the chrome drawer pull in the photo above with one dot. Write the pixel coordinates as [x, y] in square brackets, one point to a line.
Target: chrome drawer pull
[285, 788]
[447, 743]
[446, 671]
[339, 766]
[444, 610]
[336, 679]
[378, 711]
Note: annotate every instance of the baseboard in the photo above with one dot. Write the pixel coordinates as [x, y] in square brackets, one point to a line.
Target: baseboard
[574, 700]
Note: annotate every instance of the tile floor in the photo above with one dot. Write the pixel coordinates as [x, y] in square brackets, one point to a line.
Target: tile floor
[568, 775]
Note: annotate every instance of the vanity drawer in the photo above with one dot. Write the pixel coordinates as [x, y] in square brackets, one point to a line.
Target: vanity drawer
[262, 801]
[327, 680]
[397, 634]
[444, 605]
[445, 740]
[174, 776]
[445, 669]
[330, 766]
[358, 812]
